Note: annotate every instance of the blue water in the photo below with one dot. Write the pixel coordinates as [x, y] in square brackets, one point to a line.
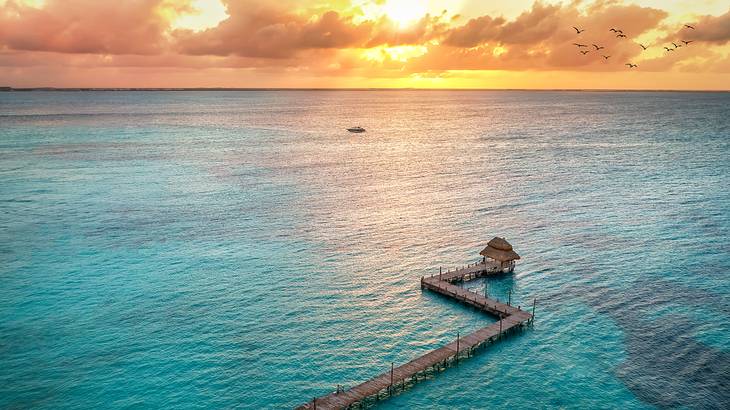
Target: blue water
[239, 250]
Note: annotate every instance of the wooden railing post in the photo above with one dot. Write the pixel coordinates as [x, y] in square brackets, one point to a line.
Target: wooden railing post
[534, 302]
[391, 374]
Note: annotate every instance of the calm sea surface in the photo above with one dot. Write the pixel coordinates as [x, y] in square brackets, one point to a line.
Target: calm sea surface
[241, 250]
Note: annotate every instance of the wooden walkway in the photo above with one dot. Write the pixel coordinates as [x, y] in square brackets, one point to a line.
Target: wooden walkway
[435, 360]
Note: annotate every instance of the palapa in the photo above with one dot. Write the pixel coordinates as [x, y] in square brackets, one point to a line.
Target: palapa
[500, 250]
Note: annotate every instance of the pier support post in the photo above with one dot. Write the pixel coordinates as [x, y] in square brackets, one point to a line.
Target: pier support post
[314, 403]
[509, 298]
[457, 347]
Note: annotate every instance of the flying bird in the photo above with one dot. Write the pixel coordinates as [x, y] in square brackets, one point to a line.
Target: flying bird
[606, 57]
[621, 35]
[580, 45]
[675, 45]
[643, 46]
[577, 30]
[631, 65]
[598, 48]
[615, 30]
[584, 52]
[668, 49]
[686, 43]
[688, 26]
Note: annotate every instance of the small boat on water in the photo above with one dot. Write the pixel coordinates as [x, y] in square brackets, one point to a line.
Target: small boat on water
[356, 129]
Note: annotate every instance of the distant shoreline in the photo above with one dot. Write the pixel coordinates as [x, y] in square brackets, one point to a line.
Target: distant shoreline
[79, 89]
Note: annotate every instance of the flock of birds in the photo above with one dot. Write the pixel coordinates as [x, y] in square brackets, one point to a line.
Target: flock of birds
[620, 34]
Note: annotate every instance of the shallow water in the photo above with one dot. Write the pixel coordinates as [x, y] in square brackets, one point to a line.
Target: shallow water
[239, 249]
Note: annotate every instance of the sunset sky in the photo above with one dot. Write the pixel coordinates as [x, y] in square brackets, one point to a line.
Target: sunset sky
[364, 43]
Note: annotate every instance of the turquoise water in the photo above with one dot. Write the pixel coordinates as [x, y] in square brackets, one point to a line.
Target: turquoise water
[239, 250]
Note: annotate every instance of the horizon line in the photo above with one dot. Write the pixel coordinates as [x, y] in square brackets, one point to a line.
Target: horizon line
[30, 89]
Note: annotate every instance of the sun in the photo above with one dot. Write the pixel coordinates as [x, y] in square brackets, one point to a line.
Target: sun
[405, 12]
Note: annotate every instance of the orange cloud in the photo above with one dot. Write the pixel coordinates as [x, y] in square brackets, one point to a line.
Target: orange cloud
[85, 26]
[709, 29]
[543, 37]
[262, 31]
[269, 31]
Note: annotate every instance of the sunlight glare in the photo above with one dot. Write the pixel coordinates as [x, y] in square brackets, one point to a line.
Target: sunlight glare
[207, 14]
[405, 12]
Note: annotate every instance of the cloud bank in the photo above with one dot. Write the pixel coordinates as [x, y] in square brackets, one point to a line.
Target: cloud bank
[339, 39]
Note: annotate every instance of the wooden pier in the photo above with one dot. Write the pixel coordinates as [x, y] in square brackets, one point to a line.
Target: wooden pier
[396, 378]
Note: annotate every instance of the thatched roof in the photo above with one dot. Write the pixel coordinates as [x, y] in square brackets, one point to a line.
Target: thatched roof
[499, 249]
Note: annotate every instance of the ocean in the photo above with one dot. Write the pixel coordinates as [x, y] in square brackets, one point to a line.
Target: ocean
[240, 249]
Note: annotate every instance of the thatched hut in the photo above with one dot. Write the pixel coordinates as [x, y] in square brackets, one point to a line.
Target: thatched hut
[501, 252]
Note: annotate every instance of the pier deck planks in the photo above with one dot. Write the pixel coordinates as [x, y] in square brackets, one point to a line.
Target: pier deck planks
[510, 317]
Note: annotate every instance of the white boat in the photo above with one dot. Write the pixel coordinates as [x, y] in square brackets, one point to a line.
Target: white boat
[356, 129]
